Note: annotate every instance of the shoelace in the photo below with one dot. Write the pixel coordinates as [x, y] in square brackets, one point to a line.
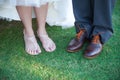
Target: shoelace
[80, 33]
[96, 39]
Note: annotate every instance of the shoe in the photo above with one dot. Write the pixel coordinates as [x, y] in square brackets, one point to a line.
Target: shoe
[76, 43]
[94, 48]
[47, 43]
[31, 45]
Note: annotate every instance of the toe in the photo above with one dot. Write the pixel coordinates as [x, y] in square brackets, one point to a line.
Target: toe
[53, 47]
[38, 51]
[48, 49]
[32, 52]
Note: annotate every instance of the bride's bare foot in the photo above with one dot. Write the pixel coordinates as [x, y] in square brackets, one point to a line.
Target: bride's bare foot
[31, 45]
[47, 43]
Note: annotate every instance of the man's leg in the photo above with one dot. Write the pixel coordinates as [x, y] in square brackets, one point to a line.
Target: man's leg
[82, 10]
[102, 24]
[102, 21]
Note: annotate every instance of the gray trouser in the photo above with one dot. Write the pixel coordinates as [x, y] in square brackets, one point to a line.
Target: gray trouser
[95, 16]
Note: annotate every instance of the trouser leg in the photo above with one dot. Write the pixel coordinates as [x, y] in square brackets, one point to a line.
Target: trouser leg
[102, 19]
[82, 10]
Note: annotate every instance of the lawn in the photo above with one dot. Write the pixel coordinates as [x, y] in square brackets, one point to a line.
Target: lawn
[16, 64]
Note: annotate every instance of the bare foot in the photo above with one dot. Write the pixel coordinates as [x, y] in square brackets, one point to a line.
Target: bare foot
[47, 43]
[31, 45]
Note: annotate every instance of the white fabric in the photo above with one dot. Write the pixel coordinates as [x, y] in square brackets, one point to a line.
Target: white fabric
[59, 12]
[26, 2]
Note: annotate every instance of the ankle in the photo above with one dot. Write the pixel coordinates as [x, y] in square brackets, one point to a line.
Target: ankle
[28, 33]
[40, 33]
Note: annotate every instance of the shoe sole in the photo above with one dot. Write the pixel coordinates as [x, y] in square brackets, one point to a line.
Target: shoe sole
[73, 50]
[92, 56]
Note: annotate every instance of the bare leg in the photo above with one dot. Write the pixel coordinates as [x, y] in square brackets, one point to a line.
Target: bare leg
[31, 44]
[41, 14]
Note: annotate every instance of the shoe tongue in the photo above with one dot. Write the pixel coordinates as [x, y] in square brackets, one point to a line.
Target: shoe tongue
[80, 33]
[96, 39]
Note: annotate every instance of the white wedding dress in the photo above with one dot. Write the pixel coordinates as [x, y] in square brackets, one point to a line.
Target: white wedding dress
[59, 12]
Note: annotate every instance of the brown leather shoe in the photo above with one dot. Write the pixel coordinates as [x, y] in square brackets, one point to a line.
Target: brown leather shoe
[76, 43]
[94, 48]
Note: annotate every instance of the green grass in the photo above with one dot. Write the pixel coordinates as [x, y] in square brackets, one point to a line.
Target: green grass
[16, 64]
